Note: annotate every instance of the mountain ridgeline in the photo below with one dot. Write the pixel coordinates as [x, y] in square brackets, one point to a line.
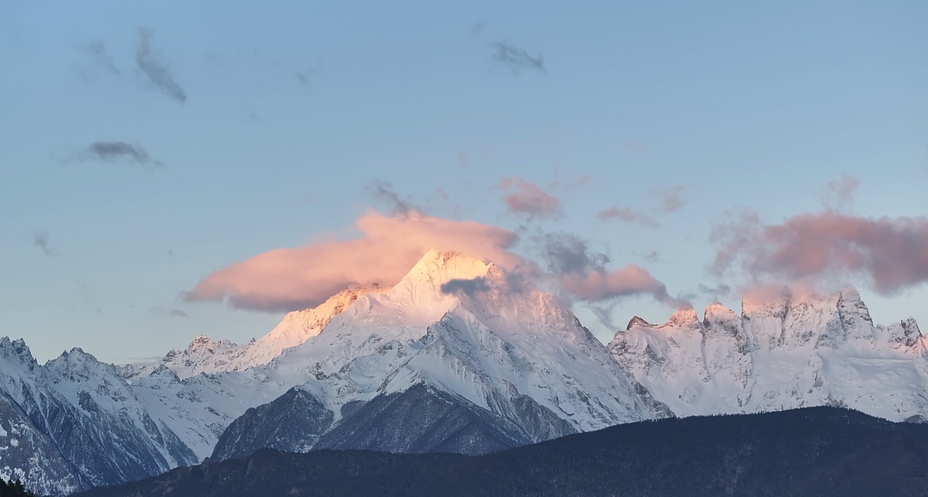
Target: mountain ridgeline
[424, 367]
[811, 452]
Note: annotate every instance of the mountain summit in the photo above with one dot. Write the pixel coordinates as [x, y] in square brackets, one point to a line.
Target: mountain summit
[781, 354]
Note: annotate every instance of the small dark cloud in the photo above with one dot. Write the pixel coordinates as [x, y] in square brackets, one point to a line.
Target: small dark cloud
[111, 151]
[384, 193]
[516, 59]
[566, 253]
[628, 215]
[177, 313]
[469, 287]
[718, 291]
[171, 253]
[100, 59]
[476, 28]
[603, 312]
[41, 239]
[152, 63]
[306, 78]
[652, 256]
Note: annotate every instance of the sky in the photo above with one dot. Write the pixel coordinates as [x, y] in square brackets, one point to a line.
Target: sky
[170, 169]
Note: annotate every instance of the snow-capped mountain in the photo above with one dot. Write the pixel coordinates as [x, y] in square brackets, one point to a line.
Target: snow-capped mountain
[449, 335]
[450, 359]
[74, 423]
[789, 353]
[204, 355]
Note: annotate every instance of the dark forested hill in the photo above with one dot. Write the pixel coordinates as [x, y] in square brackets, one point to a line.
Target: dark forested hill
[816, 451]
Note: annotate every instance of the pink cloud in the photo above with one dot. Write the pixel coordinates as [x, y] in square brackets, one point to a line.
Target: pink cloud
[671, 198]
[382, 251]
[628, 215]
[599, 285]
[888, 254]
[529, 200]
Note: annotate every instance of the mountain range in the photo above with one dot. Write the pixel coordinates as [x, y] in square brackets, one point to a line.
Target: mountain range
[452, 358]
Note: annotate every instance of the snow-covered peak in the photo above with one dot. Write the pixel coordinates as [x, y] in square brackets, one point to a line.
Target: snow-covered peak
[297, 326]
[436, 269]
[637, 322]
[683, 318]
[718, 312]
[905, 335]
[16, 349]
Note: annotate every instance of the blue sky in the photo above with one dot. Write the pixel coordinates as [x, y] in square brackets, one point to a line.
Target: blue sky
[224, 130]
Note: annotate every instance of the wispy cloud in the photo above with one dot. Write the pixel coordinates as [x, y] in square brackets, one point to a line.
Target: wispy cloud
[306, 78]
[151, 61]
[118, 150]
[99, 59]
[42, 239]
[628, 215]
[384, 193]
[175, 313]
[516, 59]
[528, 200]
[839, 194]
[671, 198]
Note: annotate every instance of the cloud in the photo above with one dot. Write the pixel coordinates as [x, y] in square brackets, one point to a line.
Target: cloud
[566, 253]
[110, 151]
[306, 78]
[530, 201]
[720, 290]
[381, 251]
[476, 28]
[158, 71]
[628, 215]
[41, 239]
[652, 256]
[581, 273]
[631, 280]
[671, 198]
[839, 194]
[384, 193]
[177, 313]
[826, 248]
[567, 185]
[100, 58]
[469, 287]
[516, 59]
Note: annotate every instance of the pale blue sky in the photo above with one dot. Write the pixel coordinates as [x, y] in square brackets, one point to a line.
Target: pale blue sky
[291, 114]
